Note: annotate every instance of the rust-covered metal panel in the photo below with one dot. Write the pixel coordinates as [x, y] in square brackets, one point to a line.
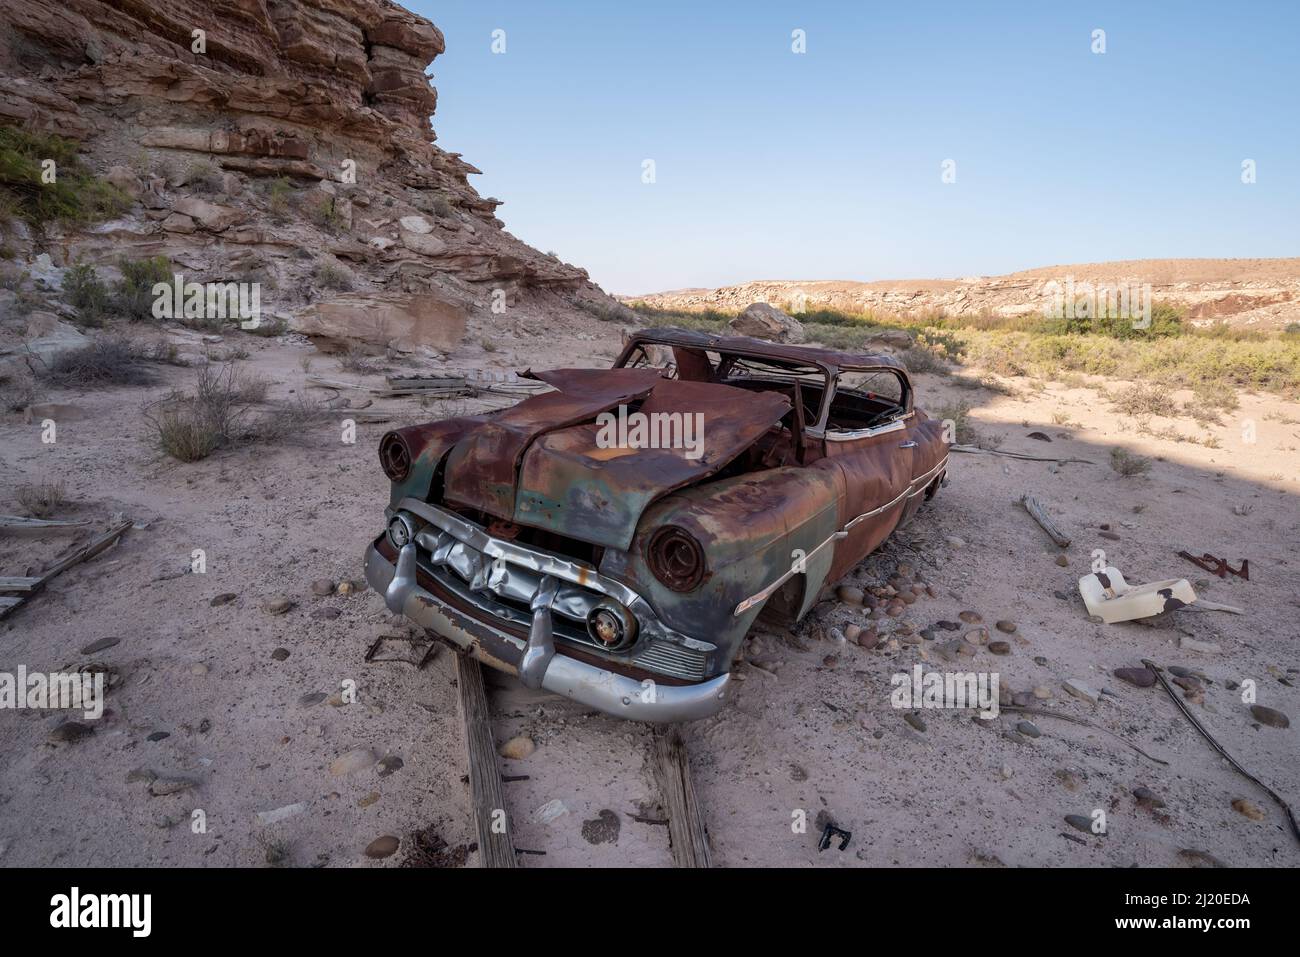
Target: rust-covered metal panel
[483, 467]
[422, 447]
[578, 483]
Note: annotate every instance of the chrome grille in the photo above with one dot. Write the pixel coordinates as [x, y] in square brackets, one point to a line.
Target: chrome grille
[669, 659]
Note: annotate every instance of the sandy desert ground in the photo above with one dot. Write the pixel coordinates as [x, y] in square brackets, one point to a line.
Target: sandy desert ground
[228, 708]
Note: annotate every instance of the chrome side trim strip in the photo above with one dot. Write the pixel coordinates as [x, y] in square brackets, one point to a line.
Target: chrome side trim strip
[770, 590]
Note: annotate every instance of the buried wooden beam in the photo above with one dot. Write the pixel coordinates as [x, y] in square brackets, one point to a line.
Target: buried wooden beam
[491, 825]
[672, 770]
[89, 550]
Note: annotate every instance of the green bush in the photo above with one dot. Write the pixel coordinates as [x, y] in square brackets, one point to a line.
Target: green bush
[85, 292]
[133, 295]
[75, 196]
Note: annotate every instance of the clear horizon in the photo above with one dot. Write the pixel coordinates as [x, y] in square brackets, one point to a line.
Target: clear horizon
[828, 164]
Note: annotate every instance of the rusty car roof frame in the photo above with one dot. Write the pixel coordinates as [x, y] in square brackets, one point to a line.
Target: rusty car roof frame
[829, 361]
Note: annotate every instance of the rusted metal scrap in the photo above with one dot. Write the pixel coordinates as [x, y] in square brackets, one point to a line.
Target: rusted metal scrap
[1218, 566]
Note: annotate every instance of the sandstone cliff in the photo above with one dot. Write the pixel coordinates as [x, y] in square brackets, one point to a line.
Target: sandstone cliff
[281, 141]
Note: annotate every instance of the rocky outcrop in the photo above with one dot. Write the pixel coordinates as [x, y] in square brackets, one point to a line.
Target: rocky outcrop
[281, 141]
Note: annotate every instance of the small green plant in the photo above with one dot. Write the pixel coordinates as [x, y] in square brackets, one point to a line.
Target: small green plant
[85, 292]
[325, 214]
[279, 197]
[1127, 464]
[133, 294]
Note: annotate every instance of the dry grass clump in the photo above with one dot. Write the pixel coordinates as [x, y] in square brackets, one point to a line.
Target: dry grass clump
[105, 361]
[1127, 464]
[1144, 400]
[41, 499]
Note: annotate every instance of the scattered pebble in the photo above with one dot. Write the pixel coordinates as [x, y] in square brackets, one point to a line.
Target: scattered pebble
[389, 764]
[1079, 822]
[382, 847]
[914, 720]
[198, 669]
[970, 617]
[1042, 692]
[1062, 561]
[1081, 690]
[1028, 729]
[101, 645]
[69, 732]
[280, 654]
[161, 787]
[350, 762]
[1203, 647]
[550, 812]
[999, 647]
[322, 587]
[1270, 716]
[1246, 808]
[223, 599]
[954, 542]
[276, 815]
[277, 606]
[1147, 798]
[1006, 626]
[516, 749]
[1141, 677]
[849, 594]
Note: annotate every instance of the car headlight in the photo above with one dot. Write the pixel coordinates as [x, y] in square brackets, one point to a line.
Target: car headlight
[676, 558]
[611, 625]
[395, 456]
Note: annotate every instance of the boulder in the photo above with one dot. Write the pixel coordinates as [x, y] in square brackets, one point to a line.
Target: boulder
[763, 321]
[417, 322]
[209, 215]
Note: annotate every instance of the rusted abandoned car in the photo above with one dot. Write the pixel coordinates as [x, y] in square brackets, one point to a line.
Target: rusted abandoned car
[626, 576]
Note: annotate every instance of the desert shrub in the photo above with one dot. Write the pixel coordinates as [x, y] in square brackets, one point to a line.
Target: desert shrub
[133, 295]
[331, 276]
[42, 498]
[75, 196]
[222, 411]
[922, 358]
[324, 214]
[1127, 464]
[268, 327]
[203, 178]
[105, 361]
[1144, 400]
[18, 392]
[85, 292]
[280, 197]
[355, 361]
[1166, 320]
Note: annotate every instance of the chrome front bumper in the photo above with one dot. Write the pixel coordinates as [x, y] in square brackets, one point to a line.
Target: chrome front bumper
[537, 662]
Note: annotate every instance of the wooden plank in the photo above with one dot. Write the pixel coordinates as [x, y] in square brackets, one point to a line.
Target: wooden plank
[1039, 513]
[22, 523]
[672, 769]
[495, 846]
[8, 603]
[9, 583]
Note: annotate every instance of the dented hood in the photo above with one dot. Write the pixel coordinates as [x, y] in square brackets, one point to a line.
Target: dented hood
[554, 462]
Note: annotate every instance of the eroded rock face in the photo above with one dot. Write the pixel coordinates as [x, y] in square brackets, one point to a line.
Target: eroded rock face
[290, 138]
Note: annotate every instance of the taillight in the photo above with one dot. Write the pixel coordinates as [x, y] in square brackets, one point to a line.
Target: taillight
[676, 558]
[394, 457]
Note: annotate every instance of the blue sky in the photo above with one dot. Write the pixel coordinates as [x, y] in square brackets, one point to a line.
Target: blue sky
[827, 164]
